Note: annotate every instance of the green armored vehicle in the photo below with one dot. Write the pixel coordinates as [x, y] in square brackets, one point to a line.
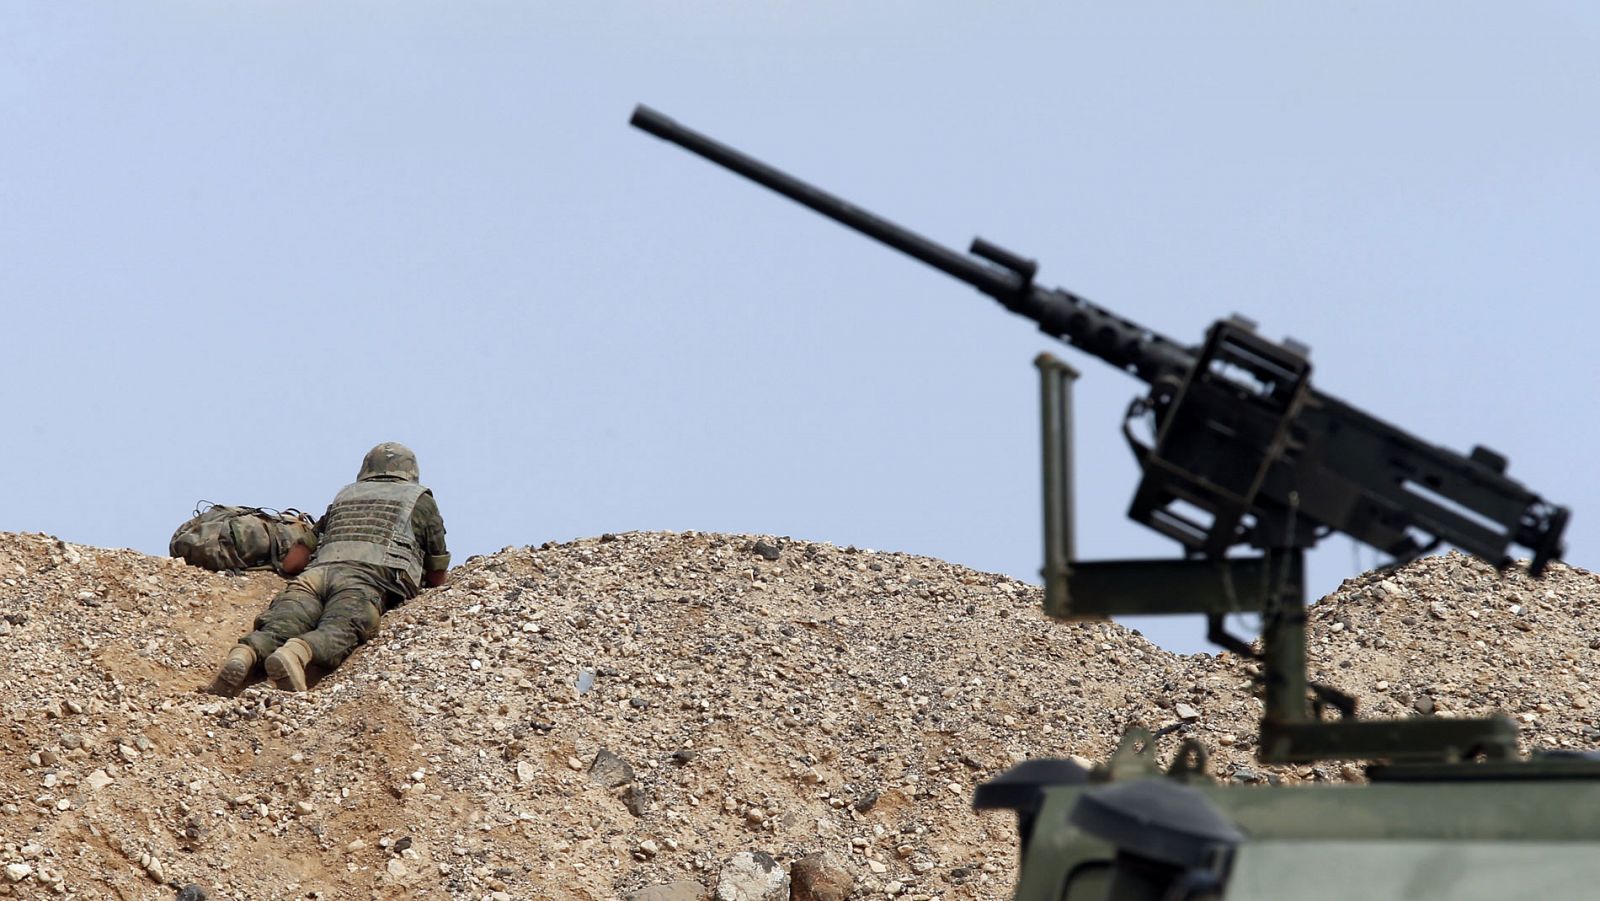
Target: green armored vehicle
[1460, 831]
[1246, 467]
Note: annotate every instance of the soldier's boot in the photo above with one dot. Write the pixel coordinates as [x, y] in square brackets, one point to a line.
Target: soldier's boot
[235, 669]
[287, 665]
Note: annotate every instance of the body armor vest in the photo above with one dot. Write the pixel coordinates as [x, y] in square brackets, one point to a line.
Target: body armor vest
[370, 522]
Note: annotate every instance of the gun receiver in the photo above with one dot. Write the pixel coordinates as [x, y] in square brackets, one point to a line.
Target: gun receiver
[1245, 452]
[1315, 463]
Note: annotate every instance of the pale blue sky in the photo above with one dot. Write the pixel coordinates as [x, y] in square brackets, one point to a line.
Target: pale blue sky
[240, 243]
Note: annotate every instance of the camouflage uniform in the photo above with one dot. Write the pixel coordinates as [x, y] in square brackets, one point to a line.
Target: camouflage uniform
[380, 537]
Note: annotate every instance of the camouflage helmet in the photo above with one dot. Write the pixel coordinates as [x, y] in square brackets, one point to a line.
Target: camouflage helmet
[392, 459]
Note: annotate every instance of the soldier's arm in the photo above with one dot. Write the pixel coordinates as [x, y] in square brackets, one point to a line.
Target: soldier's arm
[296, 560]
[429, 527]
[299, 556]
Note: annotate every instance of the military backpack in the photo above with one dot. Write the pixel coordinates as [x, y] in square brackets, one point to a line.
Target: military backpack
[220, 537]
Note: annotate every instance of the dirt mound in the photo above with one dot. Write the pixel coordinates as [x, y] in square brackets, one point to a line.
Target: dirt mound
[1451, 636]
[589, 719]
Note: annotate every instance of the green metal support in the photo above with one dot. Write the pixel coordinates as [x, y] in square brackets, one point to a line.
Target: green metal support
[1104, 588]
[1283, 638]
[1055, 396]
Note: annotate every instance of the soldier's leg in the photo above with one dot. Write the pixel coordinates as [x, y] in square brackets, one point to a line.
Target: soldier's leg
[349, 618]
[235, 669]
[293, 612]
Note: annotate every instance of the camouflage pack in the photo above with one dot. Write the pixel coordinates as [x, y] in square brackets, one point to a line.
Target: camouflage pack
[220, 537]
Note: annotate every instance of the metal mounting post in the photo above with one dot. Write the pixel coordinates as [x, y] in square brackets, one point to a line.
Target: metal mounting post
[1055, 397]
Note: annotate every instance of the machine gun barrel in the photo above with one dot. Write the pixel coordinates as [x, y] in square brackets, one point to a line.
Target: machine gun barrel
[988, 279]
[1007, 277]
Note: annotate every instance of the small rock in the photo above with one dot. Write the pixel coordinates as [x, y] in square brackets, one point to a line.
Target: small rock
[16, 872]
[818, 877]
[395, 867]
[610, 770]
[525, 772]
[1186, 713]
[636, 799]
[191, 892]
[98, 779]
[1423, 705]
[766, 551]
[752, 876]
[402, 844]
[681, 890]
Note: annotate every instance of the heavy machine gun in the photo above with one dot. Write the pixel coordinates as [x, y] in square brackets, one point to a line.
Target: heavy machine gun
[1244, 454]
